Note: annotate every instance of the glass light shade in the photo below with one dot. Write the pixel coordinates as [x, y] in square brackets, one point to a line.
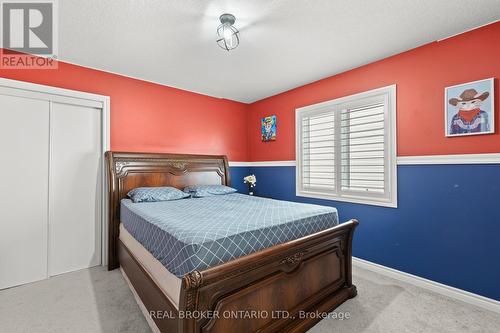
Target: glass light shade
[227, 34]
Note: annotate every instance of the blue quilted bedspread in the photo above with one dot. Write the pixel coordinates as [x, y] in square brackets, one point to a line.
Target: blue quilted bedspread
[196, 233]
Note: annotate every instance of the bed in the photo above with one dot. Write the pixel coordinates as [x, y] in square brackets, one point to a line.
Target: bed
[229, 263]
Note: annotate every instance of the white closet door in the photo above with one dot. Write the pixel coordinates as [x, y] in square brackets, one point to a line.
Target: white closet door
[24, 160]
[75, 188]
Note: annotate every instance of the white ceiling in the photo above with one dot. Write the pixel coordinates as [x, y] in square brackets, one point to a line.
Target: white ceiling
[284, 43]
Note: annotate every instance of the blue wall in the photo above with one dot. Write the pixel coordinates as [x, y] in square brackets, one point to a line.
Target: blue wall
[237, 174]
[446, 227]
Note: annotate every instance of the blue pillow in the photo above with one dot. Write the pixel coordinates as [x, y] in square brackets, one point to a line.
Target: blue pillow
[200, 191]
[153, 194]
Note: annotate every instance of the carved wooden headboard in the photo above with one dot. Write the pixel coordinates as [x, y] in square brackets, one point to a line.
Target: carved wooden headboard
[127, 171]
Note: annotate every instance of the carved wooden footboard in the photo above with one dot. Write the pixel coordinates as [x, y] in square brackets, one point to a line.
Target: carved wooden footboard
[285, 288]
[278, 289]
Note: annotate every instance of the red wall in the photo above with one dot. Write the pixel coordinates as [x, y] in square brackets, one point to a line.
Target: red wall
[421, 76]
[154, 118]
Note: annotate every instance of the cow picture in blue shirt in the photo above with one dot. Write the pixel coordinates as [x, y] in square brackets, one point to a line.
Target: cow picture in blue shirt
[469, 119]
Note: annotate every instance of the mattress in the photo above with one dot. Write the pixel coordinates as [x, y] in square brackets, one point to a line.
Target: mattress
[197, 233]
[166, 281]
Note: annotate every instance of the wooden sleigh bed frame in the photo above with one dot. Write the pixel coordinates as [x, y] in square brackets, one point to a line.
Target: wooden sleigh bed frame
[284, 285]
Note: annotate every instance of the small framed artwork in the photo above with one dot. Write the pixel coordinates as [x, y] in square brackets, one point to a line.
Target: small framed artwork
[268, 128]
[470, 108]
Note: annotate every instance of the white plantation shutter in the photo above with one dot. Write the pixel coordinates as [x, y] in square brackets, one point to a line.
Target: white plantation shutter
[318, 144]
[363, 148]
[346, 149]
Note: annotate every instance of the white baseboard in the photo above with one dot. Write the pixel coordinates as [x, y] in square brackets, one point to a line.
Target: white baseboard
[459, 294]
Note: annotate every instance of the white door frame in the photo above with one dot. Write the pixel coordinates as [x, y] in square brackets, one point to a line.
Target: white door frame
[66, 96]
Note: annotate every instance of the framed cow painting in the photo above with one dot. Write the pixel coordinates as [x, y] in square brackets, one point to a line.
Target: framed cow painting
[470, 108]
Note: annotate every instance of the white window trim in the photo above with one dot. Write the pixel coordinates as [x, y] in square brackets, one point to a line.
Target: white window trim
[390, 139]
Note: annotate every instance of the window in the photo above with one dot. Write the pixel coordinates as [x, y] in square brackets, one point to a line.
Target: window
[346, 149]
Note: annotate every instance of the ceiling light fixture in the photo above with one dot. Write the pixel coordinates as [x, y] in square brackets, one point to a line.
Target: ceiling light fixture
[227, 34]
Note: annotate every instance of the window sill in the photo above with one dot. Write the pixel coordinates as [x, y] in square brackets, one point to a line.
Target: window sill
[350, 199]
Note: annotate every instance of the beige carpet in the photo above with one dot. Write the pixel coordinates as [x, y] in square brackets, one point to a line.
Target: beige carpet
[95, 300]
